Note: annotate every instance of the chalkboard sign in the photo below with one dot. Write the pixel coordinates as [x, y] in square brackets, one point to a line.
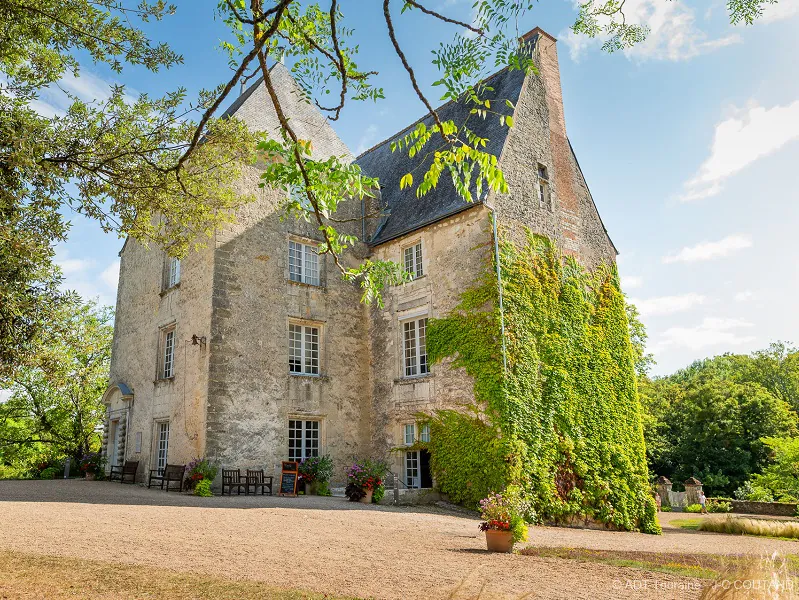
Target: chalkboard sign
[288, 479]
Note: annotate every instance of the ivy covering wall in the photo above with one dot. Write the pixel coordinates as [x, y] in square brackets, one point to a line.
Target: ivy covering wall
[563, 418]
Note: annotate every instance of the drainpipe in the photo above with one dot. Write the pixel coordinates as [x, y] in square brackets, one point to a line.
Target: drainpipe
[499, 286]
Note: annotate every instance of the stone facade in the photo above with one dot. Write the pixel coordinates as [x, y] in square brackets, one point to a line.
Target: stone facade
[236, 312]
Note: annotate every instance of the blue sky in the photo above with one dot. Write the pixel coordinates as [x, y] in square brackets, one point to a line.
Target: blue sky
[689, 143]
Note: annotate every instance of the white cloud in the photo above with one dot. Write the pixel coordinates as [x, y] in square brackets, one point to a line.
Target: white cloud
[711, 332]
[368, 139]
[783, 9]
[110, 275]
[710, 250]
[631, 282]
[739, 141]
[667, 305]
[673, 34]
[744, 296]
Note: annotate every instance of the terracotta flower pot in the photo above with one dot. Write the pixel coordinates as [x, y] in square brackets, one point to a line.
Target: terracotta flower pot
[499, 541]
[367, 499]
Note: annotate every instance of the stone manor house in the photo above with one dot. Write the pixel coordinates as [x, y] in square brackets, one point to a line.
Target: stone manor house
[254, 350]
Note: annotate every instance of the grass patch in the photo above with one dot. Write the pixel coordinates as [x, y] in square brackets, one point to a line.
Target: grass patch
[700, 566]
[28, 576]
[686, 523]
[759, 527]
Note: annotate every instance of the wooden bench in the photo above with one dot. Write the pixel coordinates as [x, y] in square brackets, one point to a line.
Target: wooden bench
[129, 469]
[257, 479]
[231, 478]
[171, 473]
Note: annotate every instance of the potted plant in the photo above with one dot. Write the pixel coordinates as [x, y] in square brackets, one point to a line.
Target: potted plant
[199, 469]
[315, 471]
[503, 519]
[92, 465]
[365, 481]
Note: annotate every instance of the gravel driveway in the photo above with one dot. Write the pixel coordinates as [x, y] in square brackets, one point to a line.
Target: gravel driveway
[330, 545]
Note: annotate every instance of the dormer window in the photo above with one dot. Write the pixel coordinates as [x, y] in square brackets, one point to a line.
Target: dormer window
[544, 197]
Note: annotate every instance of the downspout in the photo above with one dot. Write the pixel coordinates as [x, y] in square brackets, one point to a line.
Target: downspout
[499, 287]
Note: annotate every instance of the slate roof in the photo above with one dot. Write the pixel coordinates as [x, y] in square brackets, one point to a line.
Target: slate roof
[406, 211]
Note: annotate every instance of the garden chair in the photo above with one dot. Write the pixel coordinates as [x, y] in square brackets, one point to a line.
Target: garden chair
[231, 478]
[120, 472]
[257, 479]
[171, 473]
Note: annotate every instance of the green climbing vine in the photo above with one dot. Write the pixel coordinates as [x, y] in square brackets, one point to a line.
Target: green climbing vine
[563, 419]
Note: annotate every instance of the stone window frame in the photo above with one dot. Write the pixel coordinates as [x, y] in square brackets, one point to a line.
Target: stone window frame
[306, 243]
[304, 419]
[405, 368]
[544, 189]
[413, 264]
[171, 273]
[304, 324]
[411, 459]
[163, 340]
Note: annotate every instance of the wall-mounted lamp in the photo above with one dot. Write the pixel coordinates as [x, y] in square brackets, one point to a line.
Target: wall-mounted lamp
[197, 340]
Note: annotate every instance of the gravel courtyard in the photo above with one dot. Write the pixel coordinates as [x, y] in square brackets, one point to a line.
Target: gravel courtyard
[330, 545]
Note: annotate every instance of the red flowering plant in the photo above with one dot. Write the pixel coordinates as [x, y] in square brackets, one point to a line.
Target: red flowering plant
[93, 463]
[198, 470]
[506, 512]
[364, 477]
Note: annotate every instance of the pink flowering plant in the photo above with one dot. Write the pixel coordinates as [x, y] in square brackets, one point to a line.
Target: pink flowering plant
[364, 477]
[506, 511]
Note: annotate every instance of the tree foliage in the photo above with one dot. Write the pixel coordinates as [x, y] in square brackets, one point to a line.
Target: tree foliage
[55, 407]
[708, 420]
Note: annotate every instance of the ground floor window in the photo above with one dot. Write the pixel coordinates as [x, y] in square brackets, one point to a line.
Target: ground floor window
[303, 439]
[163, 446]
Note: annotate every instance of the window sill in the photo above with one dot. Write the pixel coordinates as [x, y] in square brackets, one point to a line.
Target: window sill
[414, 379]
[164, 380]
[309, 377]
[165, 291]
[306, 285]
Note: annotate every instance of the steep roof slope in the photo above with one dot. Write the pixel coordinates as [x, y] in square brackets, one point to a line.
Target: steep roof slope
[255, 108]
[406, 211]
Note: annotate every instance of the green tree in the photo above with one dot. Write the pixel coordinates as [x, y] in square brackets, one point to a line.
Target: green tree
[644, 361]
[711, 429]
[55, 407]
[781, 477]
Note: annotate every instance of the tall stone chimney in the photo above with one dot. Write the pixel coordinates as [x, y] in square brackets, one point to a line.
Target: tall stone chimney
[545, 55]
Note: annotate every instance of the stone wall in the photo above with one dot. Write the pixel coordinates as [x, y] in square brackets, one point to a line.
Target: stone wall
[143, 308]
[456, 251]
[777, 509]
[569, 215]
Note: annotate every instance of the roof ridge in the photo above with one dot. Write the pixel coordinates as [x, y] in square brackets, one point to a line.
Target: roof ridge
[423, 117]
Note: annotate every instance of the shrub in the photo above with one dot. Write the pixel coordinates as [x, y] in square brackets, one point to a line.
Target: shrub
[363, 477]
[316, 468]
[324, 489]
[745, 526]
[718, 505]
[693, 508]
[665, 509]
[505, 512]
[753, 493]
[203, 488]
[48, 473]
[200, 469]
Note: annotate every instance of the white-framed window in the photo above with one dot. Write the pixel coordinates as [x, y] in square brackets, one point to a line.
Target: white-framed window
[303, 263]
[416, 431]
[171, 272]
[544, 198]
[412, 469]
[162, 445]
[414, 336]
[166, 368]
[303, 439]
[412, 259]
[303, 349]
